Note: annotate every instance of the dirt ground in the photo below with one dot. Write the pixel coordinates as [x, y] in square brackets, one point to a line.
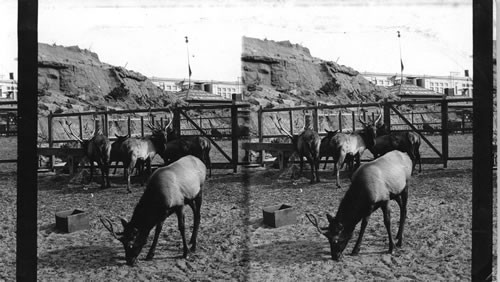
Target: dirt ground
[233, 242]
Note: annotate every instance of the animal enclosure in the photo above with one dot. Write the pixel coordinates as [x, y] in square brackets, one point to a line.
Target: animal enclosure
[397, 115]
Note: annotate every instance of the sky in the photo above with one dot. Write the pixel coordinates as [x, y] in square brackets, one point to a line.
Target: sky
[149, 36]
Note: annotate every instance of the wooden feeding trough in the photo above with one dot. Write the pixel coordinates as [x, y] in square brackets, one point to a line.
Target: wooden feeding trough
[279, 215]
[72, 220]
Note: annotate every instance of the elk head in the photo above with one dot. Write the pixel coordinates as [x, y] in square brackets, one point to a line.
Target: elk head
[159, 132]
[370, 127]
[335, 233]
[133, 241]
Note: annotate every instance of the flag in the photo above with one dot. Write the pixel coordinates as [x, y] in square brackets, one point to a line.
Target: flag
[402, 66]
[189, 66]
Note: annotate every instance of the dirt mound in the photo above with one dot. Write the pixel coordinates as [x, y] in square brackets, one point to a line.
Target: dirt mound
[71, 79]
[282, 73]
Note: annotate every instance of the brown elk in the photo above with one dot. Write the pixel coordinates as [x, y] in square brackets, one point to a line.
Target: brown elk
[179, 146]
[196, 145]
[354, 144]
[325, 151]
[96, 149]
[306, 144]
[406, 141]
[169, 189]
[143, 150]
[373, 185]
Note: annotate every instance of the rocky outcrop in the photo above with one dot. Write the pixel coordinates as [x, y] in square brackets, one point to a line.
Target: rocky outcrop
[290, 69]
[73, 79]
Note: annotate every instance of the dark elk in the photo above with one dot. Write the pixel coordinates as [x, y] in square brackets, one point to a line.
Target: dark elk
[116, 153]
[168, 190]
[196, 145]
[373, 185]
[408, 142]
[354, 144]
[180, 146]
[216, 134]
[96, 149]
[306, 144]
[143, 150]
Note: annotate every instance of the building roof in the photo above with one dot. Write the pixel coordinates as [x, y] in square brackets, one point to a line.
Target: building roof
[410, 90]
[196, 95]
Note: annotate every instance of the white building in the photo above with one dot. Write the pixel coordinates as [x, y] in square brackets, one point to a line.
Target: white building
[8, 89]
[224, 89]
[453, 85]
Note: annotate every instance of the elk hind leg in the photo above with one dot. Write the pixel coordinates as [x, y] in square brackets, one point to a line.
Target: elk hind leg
[402, 200]
[387, 222]
[181, 222]
[195, 206]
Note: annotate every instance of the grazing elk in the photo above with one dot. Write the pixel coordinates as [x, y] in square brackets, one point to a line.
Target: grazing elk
[373, 185]
[306, 144]
[96, 149]
[354, 144]
[143, 150]
[169, 189]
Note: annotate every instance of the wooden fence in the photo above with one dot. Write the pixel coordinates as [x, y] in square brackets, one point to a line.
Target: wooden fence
[391, 113]
[104, 120]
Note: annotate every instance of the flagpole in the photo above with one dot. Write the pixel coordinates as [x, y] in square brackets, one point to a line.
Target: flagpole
[401, 61]
[189, 67]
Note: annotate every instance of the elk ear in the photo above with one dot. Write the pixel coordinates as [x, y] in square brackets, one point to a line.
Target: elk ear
[124, 222]
[330, 218]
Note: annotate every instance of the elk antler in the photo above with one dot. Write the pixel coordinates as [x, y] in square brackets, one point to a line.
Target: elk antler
[359, 114]
[109, 226]
[170, 120]
[70, 132]
[379, 110]
[280, 127]
[314, 222]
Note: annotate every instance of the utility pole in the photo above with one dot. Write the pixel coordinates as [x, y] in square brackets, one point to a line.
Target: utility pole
[401, 60]
[189, 67]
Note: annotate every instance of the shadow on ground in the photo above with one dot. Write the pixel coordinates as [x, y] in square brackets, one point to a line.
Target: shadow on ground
[76, 258]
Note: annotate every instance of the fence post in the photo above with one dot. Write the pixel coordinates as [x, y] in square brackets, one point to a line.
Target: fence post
[142, 126]
[51, 138]
[80, 126]
[353, 121]
[129, 125]
[315, 119]
[463, 121]
[8, 126]
[261, 138]
[387, 114]
[290, 114]
[234, 133]
[106, 119]
[444, 130]
[177, 121]
[340, 120]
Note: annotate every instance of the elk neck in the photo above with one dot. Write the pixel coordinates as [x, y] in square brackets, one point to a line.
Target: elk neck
[147, 213]
[350, 210]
